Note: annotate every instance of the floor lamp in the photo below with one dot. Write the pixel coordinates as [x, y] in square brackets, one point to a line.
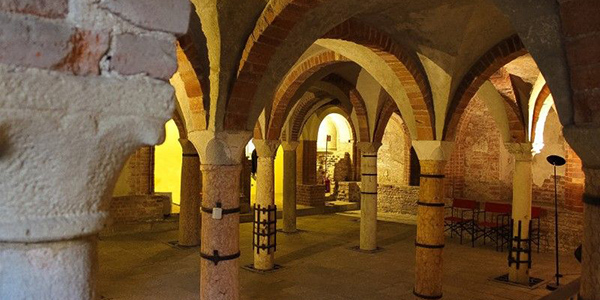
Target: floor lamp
[555, 161]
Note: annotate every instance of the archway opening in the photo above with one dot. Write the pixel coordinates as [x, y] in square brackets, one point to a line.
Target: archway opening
[335, 143]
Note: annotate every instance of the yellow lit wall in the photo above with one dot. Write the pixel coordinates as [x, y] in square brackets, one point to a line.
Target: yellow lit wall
[167, 163]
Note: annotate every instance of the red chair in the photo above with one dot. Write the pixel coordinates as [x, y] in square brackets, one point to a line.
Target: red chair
[461, 217]
[495, 223]
[536, 214]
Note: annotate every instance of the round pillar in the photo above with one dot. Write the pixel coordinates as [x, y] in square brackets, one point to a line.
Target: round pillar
[521, 208]
[429, 243]
[220, 246]
[264, 258]
[368, 199]
[289, 186]
[191, 187]
[49, 270]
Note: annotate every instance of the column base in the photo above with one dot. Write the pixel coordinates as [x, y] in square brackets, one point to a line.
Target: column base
[357, 249]
[251, 268]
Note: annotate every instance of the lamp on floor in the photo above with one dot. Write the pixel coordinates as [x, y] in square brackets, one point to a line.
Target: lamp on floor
[555, 161]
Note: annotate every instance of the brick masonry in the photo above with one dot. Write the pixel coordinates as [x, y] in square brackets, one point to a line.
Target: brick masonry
[311, 195]
[140, 208]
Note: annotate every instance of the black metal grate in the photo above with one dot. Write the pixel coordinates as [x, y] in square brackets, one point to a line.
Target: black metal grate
[265, 226]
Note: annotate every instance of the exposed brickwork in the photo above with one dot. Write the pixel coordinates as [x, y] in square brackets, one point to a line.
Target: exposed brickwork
[141, 166]
[486, 66]
[130, 55]
[152, 14]
[131, 209]
[358, 104]
[42, 8]
[389, 107]
[296, 77]
[480, 169]
[407, 68]
[306, 162]
[397, 199]
[311, 195]
[271, 29]
[299, 117]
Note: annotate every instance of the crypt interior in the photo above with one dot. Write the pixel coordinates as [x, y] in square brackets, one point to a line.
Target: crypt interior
[300, 149]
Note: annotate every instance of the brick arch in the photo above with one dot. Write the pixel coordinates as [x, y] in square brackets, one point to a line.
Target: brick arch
[543, 95]
[291, 84]
[307, 107]
[178, 119]
[386, 112]
[194, 89]
[358, 104]
[515, 122]
[494, 59]
[272, 27]
[343, 112]
[403, 63]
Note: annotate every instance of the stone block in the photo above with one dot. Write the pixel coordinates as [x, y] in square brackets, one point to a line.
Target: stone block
[169, 16]
[43, 8]
[30, 42]
[134, 54]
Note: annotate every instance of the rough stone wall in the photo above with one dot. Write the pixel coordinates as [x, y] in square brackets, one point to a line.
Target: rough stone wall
[393, 157]
[481, 169]
[397, 199]
[348, 191]
[311, 195]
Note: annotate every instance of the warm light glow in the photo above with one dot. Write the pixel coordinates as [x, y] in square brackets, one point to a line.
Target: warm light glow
[337, 127]
[538, 142]
[167, 163]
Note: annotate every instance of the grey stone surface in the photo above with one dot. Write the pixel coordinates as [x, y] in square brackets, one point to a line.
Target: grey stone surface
[135, 54]
[152, 14]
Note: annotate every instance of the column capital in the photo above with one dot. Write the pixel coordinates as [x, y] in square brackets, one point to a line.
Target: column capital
[187, 147]
[266, 148]
[585, 141]
[290, 146]
[521, 151]
[368, 147]
[433, 150]
[220, 148]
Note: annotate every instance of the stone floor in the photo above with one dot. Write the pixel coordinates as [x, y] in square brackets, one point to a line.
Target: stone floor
[317, 264]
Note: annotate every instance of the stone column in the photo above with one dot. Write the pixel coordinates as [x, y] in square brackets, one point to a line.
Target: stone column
[368, 198]
[586, 143]
[430, 218]
[521, 206]
[63, 141]
[220, 154]
[289, 186]
[191, 187]
[264, 259]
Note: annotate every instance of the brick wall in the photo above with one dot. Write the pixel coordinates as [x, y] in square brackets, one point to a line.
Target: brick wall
[306, 162]
[481, 169]
[131, 209]
[397, 199]
[311, 195]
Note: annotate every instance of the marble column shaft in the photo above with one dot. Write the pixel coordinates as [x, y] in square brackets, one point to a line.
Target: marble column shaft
[264, 259]
[220, 184]
[521, 205]
[368, 199]
[430, 230]
[289, 186]
[191, 187]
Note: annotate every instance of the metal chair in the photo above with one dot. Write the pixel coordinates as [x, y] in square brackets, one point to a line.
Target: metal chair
[493, 223]
[461, 218]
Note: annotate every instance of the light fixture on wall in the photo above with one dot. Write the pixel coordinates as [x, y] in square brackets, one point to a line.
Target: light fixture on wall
[555, 161]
